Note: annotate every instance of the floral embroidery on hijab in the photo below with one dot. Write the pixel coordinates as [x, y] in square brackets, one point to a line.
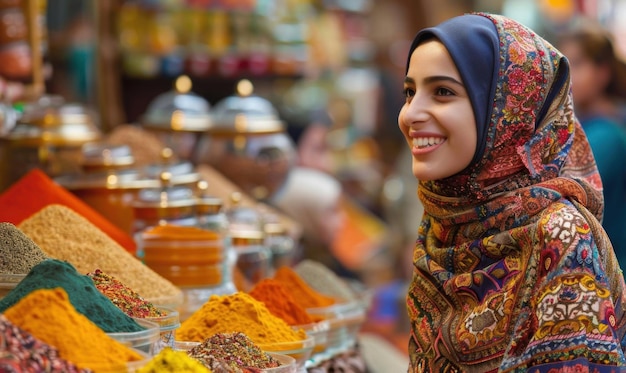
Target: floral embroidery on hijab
[532, 125]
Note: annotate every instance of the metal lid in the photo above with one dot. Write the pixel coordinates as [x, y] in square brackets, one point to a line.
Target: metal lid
[178, 173]
[165, 202]
[178, 110]
[100, 156]
[207, 204]
[245, 114]
[243, 221]
[53, 121]
[181, 172]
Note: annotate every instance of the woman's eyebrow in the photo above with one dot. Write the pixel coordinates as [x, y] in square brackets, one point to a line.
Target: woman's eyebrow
[437, 78]
[434, 78]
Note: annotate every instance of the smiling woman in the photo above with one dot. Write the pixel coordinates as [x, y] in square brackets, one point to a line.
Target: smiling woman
[437, 119]
[512, 196]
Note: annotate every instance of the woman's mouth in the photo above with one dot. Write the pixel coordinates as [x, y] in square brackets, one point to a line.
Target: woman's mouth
[427, 142]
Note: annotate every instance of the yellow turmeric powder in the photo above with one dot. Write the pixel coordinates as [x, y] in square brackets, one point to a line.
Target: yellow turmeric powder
[234, 313]
[48, 315]
[305, 295]
[169, 360]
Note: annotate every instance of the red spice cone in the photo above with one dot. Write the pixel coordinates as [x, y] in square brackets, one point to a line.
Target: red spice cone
[36, 190]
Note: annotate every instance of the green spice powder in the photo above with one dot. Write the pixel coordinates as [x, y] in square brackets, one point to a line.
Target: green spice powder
[83, 294]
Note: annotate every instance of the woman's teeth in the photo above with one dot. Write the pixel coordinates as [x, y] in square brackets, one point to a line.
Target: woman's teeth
[424, 142]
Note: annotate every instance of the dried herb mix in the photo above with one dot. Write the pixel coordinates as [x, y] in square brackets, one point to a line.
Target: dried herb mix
[235, 350]
[125, 298]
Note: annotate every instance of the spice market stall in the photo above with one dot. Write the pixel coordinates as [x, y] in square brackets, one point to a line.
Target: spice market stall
[146, 249]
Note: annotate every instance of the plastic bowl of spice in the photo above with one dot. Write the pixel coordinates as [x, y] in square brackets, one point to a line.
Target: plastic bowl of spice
[300, 350]
[345, 320]
[129, 367]
[144, 340]
[318, 331]
[168, 322]
[287, 364]
[8, 282]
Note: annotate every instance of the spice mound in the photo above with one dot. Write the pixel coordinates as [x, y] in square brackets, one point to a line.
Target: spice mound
[304, 294]
[49, 316]
[237, 312]
[18, 253]
[125, 298]
[171, 361]
[82, 292]
[21, 352]
[324, 280]
[280, 302]
[66, 235]
[235, 350]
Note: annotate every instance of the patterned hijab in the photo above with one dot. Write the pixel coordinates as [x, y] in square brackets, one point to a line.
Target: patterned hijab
[519, 88]
[531, 154]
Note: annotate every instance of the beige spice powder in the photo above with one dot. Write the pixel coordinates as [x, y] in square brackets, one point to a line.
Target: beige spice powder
[63, 234]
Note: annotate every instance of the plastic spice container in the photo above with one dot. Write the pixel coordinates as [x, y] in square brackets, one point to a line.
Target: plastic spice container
[288, 364]
[8, 282]
[168, 323]
[131, 366]
[145, 340]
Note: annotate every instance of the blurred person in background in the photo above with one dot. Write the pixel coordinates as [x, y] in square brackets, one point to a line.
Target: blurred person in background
[599, 88]
[309, 131]
[313, 199]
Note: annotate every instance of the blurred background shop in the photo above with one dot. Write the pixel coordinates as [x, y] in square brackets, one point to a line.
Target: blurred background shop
[328, 73]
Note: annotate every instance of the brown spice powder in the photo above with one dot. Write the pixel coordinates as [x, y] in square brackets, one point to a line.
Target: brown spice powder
[65, 235]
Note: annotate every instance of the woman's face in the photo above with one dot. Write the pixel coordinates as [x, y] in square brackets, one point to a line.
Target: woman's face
[437, 118]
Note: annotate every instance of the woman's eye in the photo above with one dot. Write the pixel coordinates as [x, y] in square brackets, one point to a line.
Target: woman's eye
[408, 92]
[441, 91]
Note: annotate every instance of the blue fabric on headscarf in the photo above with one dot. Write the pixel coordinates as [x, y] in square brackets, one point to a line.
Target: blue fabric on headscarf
[473, 44]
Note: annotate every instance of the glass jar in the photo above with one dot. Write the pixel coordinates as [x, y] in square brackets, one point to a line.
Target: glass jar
[280, 243]
[166, 204]
[194, 259]
[49, 135]
[254, 258]
[245, 231]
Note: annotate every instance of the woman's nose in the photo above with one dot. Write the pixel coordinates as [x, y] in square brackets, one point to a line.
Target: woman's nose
[415, 111]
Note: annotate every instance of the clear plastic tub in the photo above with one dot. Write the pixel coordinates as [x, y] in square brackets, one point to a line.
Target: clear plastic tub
[130, 367]
[288, 363]
[8, 282]
[301, 350]
[319, 332]
[345, 321]
[168, 323]
[145, 340]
